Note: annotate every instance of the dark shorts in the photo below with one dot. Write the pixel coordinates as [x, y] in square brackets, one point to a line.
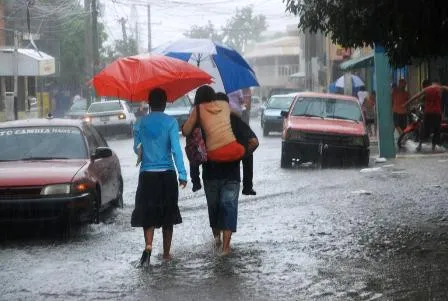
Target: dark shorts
[222, 201]
[156, 200]
[400, 120]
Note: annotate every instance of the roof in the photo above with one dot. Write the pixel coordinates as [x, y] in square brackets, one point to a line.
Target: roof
[30, 62]
[279, 47]
[327, 95]
[359, 62]
[41, 122]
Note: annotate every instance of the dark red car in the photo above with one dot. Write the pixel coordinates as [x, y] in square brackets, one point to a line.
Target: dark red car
[56, 169]
[322, 128]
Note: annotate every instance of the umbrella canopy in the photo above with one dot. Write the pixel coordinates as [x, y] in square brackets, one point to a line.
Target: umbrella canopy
[229, 69]
[356, 82]
[132, 78]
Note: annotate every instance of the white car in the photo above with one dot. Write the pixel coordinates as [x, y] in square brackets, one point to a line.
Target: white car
[111, 117]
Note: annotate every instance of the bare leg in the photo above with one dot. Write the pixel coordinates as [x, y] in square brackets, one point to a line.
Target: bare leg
[217, 236]
[149, 237]
[167, 238]
[226, 236]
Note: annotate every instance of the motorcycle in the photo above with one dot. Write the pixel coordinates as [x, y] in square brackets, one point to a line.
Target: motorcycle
[413, 129]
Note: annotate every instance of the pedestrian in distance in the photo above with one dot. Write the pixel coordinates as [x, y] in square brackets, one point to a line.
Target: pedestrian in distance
[240, 103]
[399, 97]
[156, 199]
[432, 112]
[369, 111]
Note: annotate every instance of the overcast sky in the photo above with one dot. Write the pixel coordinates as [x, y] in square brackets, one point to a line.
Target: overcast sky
[171, 18]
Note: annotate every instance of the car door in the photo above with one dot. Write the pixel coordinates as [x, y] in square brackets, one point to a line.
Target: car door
[100, 167]
[114, 166]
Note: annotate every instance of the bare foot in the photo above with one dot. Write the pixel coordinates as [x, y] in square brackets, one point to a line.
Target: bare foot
[167, 257]
[218, 241]
[225, 253]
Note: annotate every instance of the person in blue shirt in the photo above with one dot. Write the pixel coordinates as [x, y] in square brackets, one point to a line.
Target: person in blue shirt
[157, 192]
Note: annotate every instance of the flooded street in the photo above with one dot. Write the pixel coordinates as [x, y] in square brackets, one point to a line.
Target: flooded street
[309, 234]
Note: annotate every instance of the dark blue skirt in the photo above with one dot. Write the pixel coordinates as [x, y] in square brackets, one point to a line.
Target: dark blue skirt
[156, 200]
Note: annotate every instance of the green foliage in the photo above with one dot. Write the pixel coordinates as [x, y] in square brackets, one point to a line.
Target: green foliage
[407, 29]
[242, 27]
[239, 29]
[204, 32]
[120, 48]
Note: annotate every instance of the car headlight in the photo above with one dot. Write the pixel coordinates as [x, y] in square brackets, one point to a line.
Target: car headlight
[87, 119]
[358, 141]
[121, 116]
[57, 189]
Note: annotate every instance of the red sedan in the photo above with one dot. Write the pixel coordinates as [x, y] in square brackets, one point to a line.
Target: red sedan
[322, 128]
[56, 169]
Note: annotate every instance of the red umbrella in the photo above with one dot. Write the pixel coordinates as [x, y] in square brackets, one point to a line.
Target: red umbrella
[132, 78]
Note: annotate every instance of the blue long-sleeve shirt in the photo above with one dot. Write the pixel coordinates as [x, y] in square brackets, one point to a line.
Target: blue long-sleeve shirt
[158, 134]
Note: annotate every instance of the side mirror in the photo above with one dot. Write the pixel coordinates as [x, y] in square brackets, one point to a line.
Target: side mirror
[101, 153]
[284, 114]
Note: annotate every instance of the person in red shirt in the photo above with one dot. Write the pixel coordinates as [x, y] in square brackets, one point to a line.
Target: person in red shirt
[432, 117]
[399, 97]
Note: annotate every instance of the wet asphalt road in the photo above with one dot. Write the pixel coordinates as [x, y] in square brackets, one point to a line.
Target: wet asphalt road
[332, 234]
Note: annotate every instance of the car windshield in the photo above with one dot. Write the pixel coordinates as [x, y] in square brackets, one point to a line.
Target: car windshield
[327, 108]
[79, 106]
[42, 143]
[280, 102]
[101, 107]
[182, 102]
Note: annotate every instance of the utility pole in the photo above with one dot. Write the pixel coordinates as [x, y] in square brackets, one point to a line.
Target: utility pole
[87, 47]
[149, 29]
[95, 39]
[123, 21]
[16, 74]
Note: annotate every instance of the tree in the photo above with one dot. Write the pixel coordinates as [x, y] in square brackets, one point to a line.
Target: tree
[242, 27]
[121, 48]
[407, 29]
[204, 32]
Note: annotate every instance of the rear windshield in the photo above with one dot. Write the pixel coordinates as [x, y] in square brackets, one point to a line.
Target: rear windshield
[327, 108]
[182, 102]
[42, 143]
[280, 102]
[100, 107]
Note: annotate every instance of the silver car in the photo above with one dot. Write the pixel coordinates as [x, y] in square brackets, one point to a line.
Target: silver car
[111, 117]
[271, 118]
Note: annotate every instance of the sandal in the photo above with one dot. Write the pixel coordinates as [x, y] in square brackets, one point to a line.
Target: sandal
[145, 259]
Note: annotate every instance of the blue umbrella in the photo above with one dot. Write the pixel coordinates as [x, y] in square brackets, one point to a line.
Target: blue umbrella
[356, 82]
[229, 69]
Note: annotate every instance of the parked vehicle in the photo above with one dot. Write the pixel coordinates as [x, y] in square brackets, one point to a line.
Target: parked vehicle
[78, 110]
[414, 127]
[179, 109]
[111, 117]
[56, 170]
[322, 128]
[255, 109]
[271, 119]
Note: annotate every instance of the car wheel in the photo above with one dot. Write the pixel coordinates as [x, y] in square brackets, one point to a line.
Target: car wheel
[265, 131]
[404, 137]
[364, 160]
[65, 226]
[118, 202]
[96, 207]
[285, 160]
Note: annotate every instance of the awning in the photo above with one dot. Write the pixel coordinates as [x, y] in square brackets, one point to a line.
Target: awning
[358, 63]
[30, 62]
[298, 75]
